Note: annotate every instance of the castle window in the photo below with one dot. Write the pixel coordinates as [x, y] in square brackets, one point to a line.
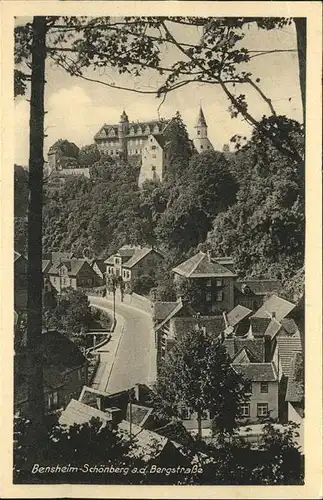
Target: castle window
[198, 132]
[132, 131]
[201, 146]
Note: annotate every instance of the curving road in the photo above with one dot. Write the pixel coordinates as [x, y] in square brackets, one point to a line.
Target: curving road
[135, 358]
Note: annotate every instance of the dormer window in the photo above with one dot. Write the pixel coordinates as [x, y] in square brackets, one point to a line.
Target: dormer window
[132, 131]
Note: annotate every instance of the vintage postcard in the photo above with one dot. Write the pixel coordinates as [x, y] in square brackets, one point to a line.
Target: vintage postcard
[161, 249]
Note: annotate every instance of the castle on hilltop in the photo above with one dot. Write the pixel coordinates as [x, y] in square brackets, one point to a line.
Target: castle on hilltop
[146, 140]
[142, 140]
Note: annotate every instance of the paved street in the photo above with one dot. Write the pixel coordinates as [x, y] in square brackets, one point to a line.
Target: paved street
[135, 354]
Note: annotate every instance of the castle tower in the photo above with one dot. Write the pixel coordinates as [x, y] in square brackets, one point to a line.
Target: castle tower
[201, 140]
[123, 131]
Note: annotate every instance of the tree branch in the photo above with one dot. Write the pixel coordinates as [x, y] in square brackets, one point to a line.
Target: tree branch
[260, 92]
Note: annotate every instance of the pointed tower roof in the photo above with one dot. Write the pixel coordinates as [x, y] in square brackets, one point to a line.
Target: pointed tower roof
[124, 117]
[201, 122]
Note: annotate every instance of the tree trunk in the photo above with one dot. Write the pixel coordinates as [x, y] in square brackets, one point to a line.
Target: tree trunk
[300, 24]
[36, 405]
[199, 425]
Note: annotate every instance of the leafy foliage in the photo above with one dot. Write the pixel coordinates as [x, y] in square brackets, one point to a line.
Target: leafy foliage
[264, 229]
[70, 313]
[198, 375]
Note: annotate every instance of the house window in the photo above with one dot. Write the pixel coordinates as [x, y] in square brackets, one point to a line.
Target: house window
[153, 147]
[208, 297]
[185, 413]
[209, 282]
[219, 296]
[249, 388]
[52, 400]
[245, 410]
[218, 282]
[264, 387]
[262, 409]
[54, 280]
[153, 156]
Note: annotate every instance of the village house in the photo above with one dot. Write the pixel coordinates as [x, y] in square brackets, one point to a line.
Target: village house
[65, 372]
[213, 288]
[251, 293]
[211, 281]
[71, 273]
[262, 390]
[131, 262]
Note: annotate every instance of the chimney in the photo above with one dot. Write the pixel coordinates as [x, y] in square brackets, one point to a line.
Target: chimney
[273, 315]
[115, 415]
[137, 392]
[209, 255]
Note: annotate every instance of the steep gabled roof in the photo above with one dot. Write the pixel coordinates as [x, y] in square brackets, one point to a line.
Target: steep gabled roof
[255, 346]
[201, 266]
[149, 444]
[288, 345]
[273, 328]
[138, 255]
[79, 413]
[259, 325]
[237, 314]
[257, 372]
[185, 309]
[73, 266]
[280, 307]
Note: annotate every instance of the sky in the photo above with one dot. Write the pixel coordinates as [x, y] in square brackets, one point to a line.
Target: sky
[76, 109]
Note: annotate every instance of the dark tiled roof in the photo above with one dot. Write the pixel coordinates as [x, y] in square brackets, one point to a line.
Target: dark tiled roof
[258, 287]
[181, 309]
[90, 396]
[289, 325]
[136, 126]
[257, 372]
[259, 325]
[200, 266]
[237, 314]
[277, 305]
[61, 352]
[138, 255]
[73, 266]
[214, 325]
[295, 385]
[163, 309]
[287, 346]
[255, 346]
